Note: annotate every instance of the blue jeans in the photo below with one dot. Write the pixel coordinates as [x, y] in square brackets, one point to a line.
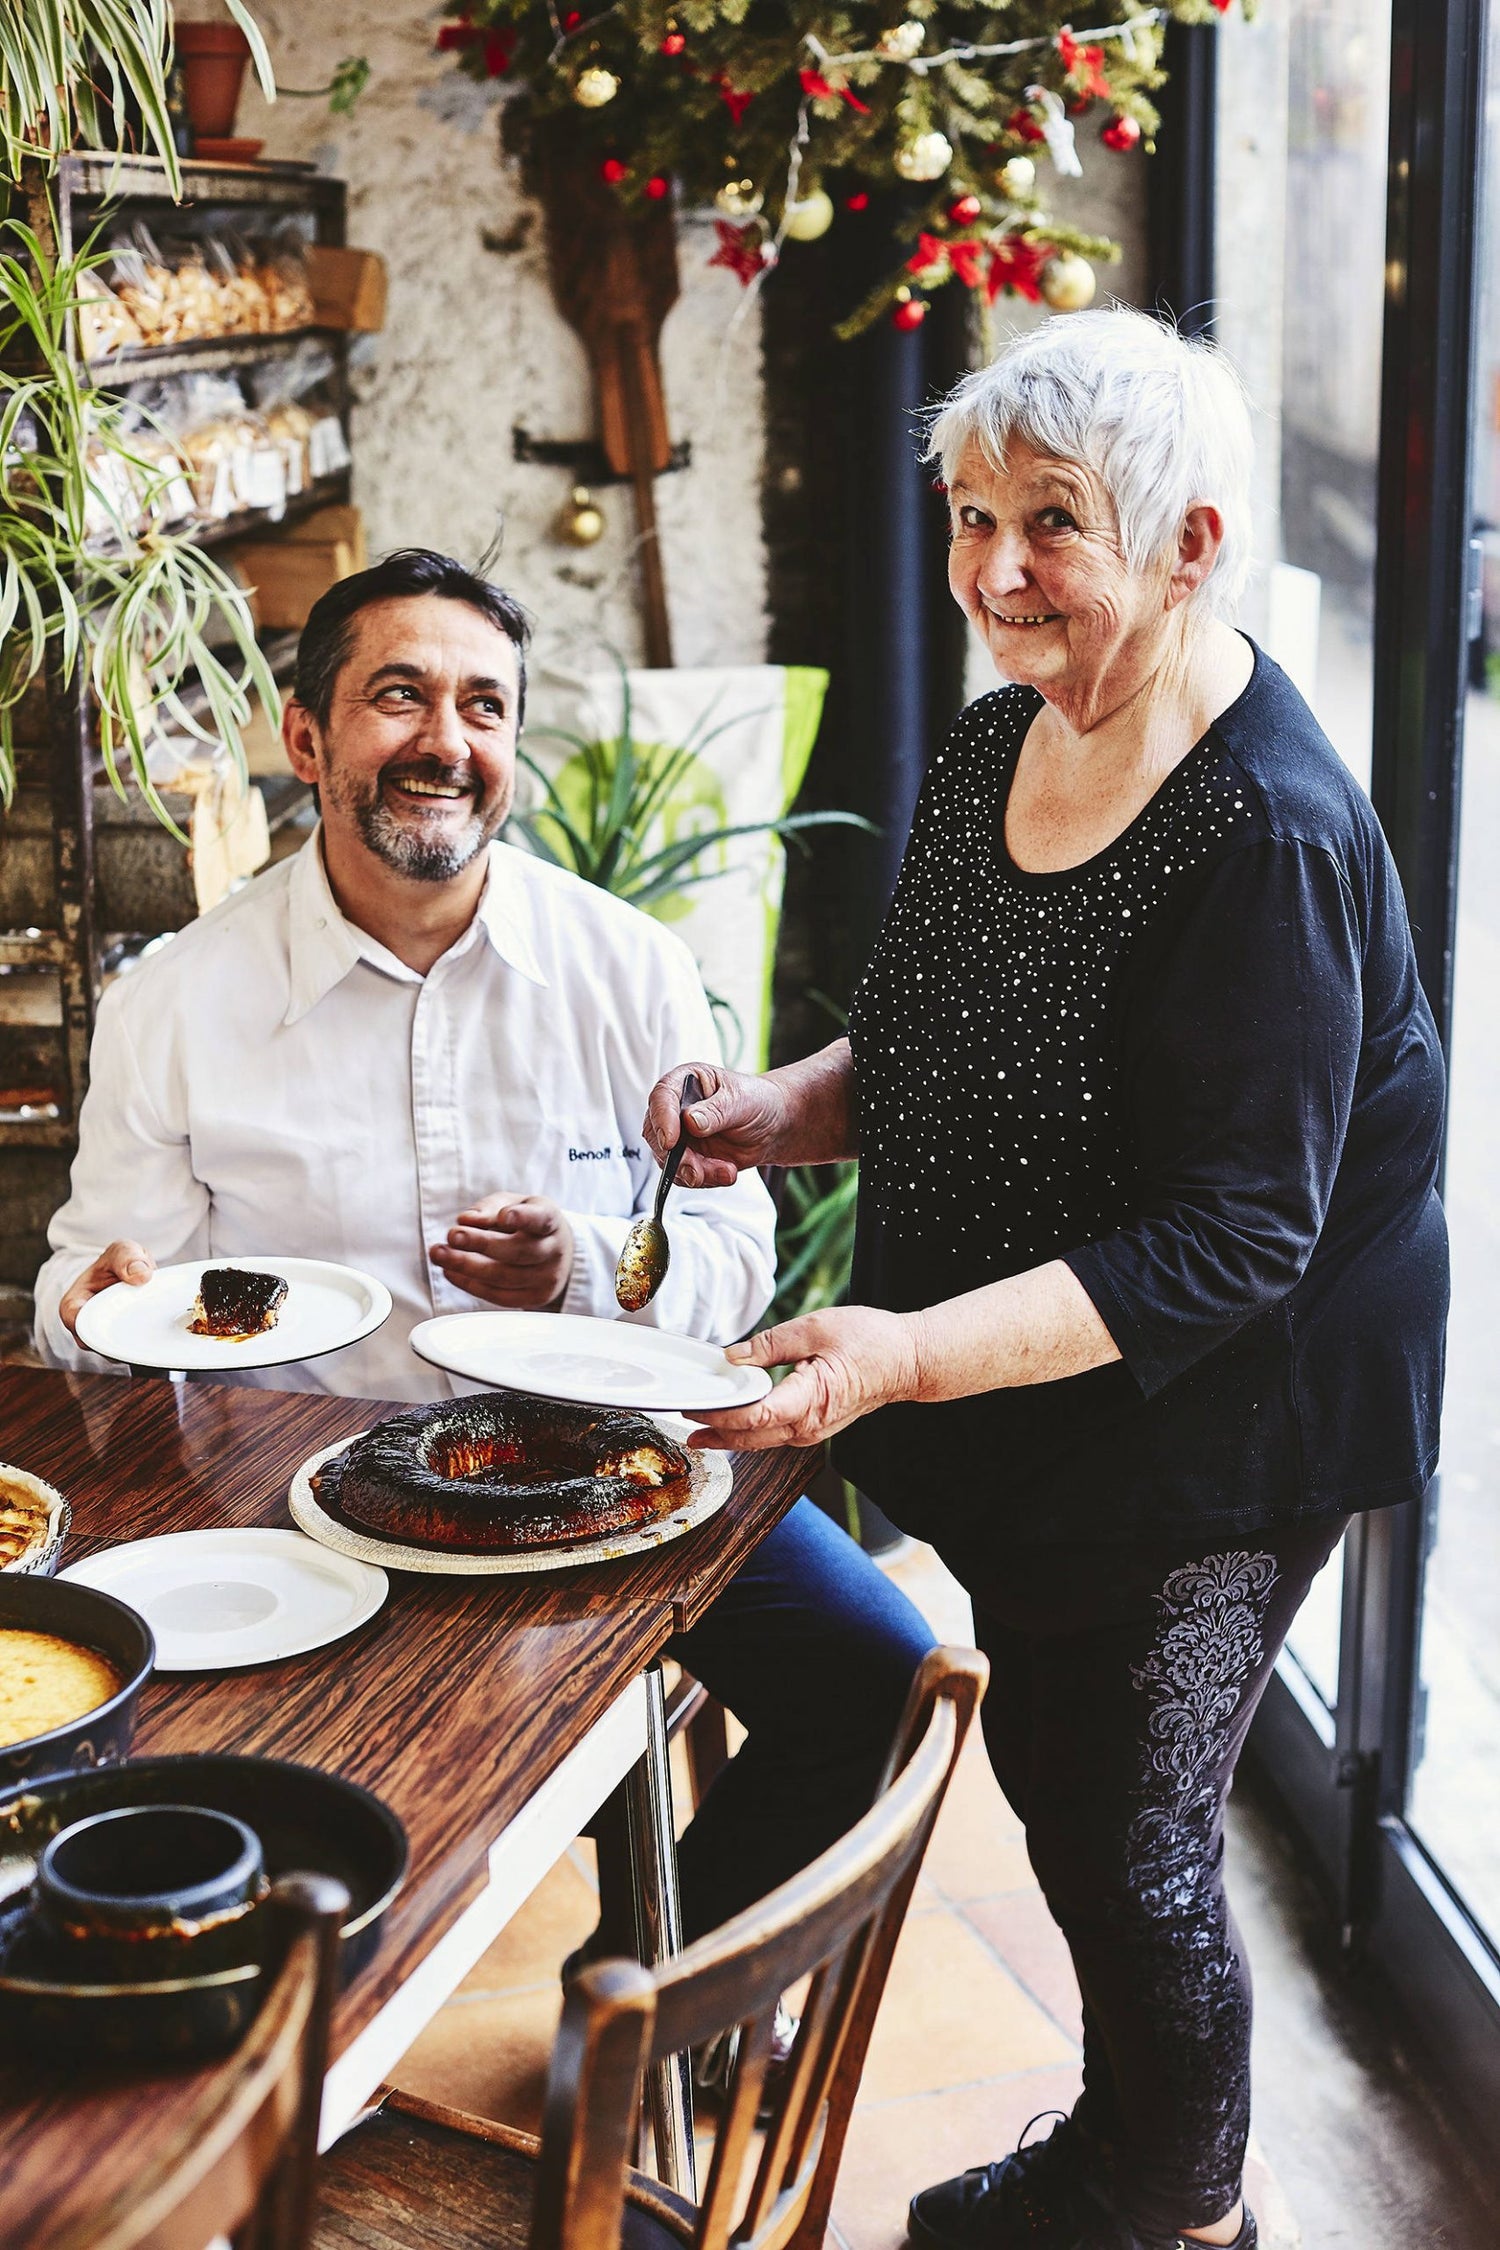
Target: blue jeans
[813, 1649]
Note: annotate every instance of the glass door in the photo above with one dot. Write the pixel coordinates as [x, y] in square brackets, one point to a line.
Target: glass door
[1453, 1804]
[1301, 131]
[1357, 170]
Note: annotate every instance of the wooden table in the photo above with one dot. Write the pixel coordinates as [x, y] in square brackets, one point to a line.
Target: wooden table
[492, 1715]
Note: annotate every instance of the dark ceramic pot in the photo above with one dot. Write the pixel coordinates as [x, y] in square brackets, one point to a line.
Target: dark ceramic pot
[148, 1892]
[92, 1620]
[304, 1819]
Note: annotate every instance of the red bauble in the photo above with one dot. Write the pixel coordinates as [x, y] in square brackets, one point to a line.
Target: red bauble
[674, 44]
[1121, 132]
[911, 314]
[612, 171]
[1021, 122]
[656, 187]
[859, 201]
[965, 210]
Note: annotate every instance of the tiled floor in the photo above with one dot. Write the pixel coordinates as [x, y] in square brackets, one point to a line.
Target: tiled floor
[978, 2032]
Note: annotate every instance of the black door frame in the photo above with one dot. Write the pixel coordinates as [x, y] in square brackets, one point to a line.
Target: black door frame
[1344, 1775]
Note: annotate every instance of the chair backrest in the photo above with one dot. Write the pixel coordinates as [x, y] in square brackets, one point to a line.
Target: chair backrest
[837, 1923]
[243, 2164]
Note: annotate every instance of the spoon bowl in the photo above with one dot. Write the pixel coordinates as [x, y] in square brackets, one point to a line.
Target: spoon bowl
[643, 1263]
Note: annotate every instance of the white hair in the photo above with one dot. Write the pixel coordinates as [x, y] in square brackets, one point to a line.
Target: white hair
[1161, 420]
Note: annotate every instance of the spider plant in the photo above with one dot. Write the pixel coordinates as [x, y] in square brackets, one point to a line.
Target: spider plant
[814, 1239]
[76, 71]
[143, 612]
[603, 828]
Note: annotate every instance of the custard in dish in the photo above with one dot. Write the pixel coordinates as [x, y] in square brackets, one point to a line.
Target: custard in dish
[45, 1682]
[506, 1473]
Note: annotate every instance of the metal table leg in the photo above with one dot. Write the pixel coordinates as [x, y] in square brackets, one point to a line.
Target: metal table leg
[658, 1931]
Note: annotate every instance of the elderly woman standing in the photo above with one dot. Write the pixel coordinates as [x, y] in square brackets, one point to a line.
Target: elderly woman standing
[1151, 1274]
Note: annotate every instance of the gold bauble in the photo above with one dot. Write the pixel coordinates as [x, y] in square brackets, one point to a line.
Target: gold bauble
[925, 158]
[581, 521]
[813, 216]
[593, 87]
[739, 199]
[902, 42]
[1067, 282]
[1018, 177]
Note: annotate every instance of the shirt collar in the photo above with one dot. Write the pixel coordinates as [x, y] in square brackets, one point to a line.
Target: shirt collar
[324, 944]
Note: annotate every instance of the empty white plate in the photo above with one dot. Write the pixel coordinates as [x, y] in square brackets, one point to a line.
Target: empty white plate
[326, 1308]
[588, 1362]
[217, 1599]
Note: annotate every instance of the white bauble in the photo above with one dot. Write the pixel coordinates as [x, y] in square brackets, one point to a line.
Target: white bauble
[813, 216]
[1067, 282]
[902, 41]
[1018, 177]
[593, 87]
[925, 158]
[739, 199]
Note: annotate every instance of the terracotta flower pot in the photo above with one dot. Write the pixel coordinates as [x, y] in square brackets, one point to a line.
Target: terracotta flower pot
[214, 56]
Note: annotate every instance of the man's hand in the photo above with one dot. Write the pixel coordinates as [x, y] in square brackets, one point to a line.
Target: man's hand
[511, 1250]
[849, 1360]
[733, 1128]
[122, 1261]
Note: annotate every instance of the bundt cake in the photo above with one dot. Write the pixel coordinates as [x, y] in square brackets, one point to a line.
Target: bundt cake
[505, 1472]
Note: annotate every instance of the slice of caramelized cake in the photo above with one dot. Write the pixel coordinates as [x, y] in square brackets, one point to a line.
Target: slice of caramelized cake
[234, 1305]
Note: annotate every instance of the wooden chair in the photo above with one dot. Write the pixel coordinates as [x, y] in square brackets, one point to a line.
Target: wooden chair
[418, 2176]
[244, 2163]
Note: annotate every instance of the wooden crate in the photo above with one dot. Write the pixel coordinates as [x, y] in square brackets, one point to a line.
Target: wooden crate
[288, 573]
[348, 286]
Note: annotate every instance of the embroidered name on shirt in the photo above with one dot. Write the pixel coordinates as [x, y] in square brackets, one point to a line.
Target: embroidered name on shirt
[602, 1155]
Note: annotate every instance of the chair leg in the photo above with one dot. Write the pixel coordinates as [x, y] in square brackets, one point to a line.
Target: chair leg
[658, 1910]
[707, 1746]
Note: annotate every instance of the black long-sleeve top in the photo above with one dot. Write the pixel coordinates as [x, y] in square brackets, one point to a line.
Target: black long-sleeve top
[1198, 1068]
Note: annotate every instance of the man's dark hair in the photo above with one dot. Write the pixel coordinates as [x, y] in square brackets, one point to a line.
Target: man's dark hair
[328, 636]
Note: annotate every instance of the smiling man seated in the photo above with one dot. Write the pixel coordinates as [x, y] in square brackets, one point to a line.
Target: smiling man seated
[427, 1054]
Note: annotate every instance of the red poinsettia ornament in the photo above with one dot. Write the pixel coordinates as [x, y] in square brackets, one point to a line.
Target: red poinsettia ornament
[741, 249]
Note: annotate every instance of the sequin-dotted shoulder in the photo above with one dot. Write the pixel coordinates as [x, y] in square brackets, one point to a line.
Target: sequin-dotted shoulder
[983, 1028]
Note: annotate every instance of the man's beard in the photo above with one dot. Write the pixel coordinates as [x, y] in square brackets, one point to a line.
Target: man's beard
[423, 859]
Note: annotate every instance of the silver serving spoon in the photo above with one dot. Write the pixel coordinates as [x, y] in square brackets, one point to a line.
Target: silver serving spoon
[643, 1262]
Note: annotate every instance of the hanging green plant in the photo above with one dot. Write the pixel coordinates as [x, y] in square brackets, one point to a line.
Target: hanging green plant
[89, 581]
[757, 108]
[84, 578]
[84, 72]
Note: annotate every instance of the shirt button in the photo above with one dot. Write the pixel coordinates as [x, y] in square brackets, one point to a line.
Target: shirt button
[322, 921]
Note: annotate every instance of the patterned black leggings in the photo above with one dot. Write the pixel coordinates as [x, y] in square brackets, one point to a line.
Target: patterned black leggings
[1124, 1682]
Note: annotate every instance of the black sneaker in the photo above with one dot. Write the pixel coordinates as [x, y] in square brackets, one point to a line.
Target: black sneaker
[1027, 2201]
[1098, 2224]
[1048, 2195]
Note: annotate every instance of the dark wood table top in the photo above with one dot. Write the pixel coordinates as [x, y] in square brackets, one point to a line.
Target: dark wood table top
[452, 1704]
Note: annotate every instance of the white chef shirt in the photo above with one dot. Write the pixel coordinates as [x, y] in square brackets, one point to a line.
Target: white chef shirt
[276, 1081]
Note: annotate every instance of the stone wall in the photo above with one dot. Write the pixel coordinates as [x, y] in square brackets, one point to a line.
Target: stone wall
[474, 346]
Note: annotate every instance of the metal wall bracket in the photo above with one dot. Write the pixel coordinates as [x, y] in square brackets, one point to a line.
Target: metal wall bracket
[584, 459]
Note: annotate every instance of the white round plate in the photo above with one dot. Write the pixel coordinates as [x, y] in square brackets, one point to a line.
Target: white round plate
[588, 1362]
[712, 1482]
[326, 1308]
[218, 1599]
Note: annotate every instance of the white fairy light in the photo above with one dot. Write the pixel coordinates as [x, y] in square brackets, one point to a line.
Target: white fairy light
[921, 64]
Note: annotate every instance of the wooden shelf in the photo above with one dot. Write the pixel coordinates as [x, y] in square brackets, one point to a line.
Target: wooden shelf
[217, 532]
[65, 887]
[205, 355]
[91, 178]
